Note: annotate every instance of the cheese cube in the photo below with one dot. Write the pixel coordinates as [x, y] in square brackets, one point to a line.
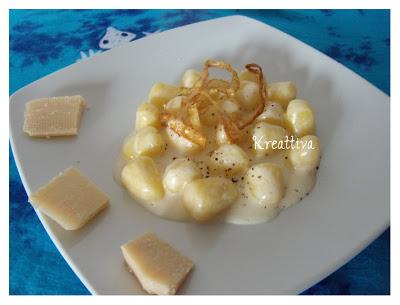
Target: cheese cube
[159, 267]
[54, 116]
[70, 199]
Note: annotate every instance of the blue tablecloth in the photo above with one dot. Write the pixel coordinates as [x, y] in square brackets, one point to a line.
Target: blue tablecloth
[43, 41]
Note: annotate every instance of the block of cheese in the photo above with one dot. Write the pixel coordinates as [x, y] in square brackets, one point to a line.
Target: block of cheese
[70, 199]
[159, 267]
[54, 116]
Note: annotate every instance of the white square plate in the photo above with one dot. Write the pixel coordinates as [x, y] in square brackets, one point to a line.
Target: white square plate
[348, 208]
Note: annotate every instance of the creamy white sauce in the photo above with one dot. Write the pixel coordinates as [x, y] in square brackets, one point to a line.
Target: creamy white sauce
[247, 209]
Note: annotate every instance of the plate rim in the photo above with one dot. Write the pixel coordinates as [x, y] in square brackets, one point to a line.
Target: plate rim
[318, 276]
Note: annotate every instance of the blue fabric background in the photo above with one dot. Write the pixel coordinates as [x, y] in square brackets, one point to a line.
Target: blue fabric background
[43, 41]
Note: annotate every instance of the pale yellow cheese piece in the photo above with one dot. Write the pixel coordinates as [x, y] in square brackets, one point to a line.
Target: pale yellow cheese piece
[54, 116]
[159, 267]
[70, 199]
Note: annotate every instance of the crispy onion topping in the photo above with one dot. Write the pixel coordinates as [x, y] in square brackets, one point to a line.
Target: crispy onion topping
[183, 129]
[207, 92]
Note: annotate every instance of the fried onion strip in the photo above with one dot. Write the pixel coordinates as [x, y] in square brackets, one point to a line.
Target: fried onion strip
[203, 80]
[194, 117]
[231, 129]
[187, 122]
[182, 129]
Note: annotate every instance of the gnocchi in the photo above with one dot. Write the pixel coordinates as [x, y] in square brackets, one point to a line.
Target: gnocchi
[181, 144]
[212, 148]
[143, 180]
[229, 158]
[273, 114]
[179, 173]
[148, 141]
[282, 92]
[206, 198]
[248, 95]
[190, 77]
[300, 118]
[268, 138]
[230, 107]
[246, 75]
[266, 183]
[221, 136]
[127, 147]
[174, 104]
[306, 154]
[147, 115]
[161, 93]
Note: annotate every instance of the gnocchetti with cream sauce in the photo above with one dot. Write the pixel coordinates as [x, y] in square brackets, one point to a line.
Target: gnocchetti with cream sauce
[193, 155]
